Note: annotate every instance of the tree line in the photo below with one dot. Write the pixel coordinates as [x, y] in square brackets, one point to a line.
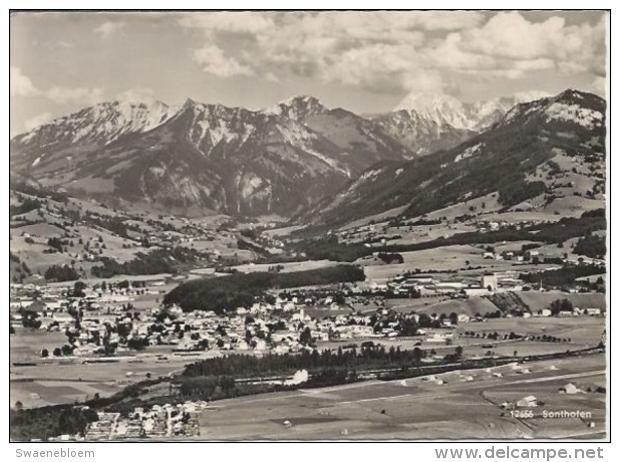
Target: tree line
[225, 293]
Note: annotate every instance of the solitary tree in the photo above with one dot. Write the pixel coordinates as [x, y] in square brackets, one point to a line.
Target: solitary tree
[458, 351]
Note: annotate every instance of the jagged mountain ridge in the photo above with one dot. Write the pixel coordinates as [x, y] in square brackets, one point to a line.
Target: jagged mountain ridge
[422, 136]
[345, 129]
[280, 160]
[445, 109]
[100, 124]
[504, 160]
[231, 160]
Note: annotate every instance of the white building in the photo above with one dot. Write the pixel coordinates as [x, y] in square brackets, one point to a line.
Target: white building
[489, 281]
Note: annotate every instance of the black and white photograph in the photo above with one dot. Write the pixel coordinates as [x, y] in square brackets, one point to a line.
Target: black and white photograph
[308, 225]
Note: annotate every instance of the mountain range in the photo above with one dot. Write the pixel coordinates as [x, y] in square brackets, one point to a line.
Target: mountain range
[547, 152]
[426, 123]
[285, 160]
[204, 156]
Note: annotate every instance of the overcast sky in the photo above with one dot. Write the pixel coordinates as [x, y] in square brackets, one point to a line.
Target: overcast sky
[363, 61]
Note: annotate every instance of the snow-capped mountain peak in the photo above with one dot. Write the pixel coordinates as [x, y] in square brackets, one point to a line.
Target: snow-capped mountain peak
[103, 123]
[440, 108]
[446, 110]
[569, 107]
[297, 107]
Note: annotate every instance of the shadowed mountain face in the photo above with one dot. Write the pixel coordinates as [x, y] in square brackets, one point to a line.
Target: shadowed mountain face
[366, 139]
[508, 160]
[231, 160]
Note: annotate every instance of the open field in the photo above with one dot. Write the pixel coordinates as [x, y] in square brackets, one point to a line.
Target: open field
[60, 382]
[479, 304]
[583, 331]
[421, 233]
[284, 231]
[470, 306]
[26, 344]
[65, 380]
[447, 258]
[536, 300]
[472, 347]
[462, 407]
[286, 266]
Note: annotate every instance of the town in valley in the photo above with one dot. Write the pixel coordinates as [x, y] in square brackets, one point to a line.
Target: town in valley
[302, 271]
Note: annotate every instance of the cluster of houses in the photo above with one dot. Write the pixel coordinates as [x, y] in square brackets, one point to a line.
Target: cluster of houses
[104, 322]
[165, 421]
[419, 284]
[427, 285]
[573, 311]
[518, 256]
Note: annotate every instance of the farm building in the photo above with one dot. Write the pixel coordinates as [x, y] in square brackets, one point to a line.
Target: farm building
[569, 389]
[489, 281]
[528, 401]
